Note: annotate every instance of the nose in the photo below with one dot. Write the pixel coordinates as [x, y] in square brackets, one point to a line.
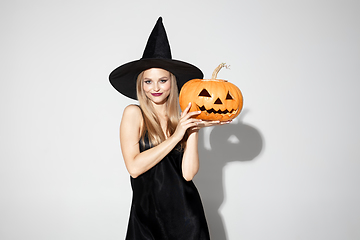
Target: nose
[156, 87]
[218, 101]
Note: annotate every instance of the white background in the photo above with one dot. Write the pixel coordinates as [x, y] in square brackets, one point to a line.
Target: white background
[287, 168]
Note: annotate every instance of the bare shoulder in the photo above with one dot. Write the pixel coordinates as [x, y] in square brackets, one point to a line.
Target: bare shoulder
[132, 115]
[131, 120]
[132, 112]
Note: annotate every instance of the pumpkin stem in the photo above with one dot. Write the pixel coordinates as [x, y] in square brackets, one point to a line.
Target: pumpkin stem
[216, 71]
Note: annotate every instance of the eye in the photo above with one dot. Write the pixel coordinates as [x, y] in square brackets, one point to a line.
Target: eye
[229, 97]
[147, 81]
[163, 80]
[204, 93]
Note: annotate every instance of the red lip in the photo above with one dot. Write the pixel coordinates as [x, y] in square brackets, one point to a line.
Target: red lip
[156, 94]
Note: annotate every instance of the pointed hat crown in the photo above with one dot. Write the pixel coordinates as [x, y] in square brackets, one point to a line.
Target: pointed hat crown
[158, 44]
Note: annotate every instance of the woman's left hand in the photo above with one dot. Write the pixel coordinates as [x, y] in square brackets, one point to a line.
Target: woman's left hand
[206, 123]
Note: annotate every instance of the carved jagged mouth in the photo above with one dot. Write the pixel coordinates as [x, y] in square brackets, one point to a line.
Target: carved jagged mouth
[212, 110]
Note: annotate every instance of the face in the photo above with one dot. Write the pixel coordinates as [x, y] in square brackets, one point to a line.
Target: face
[156, 85]
[216, 99]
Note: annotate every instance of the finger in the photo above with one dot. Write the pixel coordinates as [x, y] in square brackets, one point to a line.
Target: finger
[186, 110]
[192, 125]
[191, 122]
[194, 113]
[219, 122]
[226, 122]
[209, 123]
[190, 115]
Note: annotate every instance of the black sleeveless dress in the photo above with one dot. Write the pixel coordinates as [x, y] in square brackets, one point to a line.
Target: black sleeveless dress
[165, 206]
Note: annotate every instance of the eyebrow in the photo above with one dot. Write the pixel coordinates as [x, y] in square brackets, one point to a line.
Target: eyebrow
[159, 78]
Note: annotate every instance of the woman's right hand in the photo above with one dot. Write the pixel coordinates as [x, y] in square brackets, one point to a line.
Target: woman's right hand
[186, 121]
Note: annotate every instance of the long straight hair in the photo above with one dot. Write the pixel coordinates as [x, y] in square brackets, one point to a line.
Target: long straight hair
[151, 124]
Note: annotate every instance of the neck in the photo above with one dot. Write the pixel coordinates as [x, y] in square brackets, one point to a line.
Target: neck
[160, 109]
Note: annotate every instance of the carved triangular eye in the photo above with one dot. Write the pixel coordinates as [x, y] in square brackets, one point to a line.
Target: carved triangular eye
[218, 101]
[228, 96]
[204, 93]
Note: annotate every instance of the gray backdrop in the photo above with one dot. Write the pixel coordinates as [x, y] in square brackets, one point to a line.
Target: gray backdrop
[286, 168]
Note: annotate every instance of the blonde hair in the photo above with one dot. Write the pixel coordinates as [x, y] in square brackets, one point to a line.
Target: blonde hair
[151, 124]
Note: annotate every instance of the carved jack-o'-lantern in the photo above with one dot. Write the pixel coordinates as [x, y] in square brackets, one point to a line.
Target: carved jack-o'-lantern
[217, 99]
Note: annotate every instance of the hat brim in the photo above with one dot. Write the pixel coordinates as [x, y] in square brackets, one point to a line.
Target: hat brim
[123, 78]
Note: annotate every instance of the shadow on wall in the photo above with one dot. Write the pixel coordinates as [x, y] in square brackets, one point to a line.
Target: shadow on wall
[233, 142]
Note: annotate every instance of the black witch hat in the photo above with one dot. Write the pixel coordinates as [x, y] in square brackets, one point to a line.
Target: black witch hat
[157, 54]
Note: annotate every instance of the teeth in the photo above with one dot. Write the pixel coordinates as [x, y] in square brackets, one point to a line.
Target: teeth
[212, 110]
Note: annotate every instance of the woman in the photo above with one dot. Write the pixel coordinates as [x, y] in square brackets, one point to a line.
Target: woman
[159, 146]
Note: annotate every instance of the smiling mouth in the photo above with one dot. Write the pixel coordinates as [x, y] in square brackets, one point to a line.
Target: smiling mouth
[212, 110]
[156, 94]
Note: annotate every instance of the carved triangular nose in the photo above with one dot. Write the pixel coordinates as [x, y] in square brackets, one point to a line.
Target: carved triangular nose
[218, 101]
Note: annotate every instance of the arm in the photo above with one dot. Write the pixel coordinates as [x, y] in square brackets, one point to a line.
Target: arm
[136, 162]
[190, 161]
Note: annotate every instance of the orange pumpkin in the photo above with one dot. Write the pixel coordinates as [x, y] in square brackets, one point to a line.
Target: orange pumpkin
[217, 99]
